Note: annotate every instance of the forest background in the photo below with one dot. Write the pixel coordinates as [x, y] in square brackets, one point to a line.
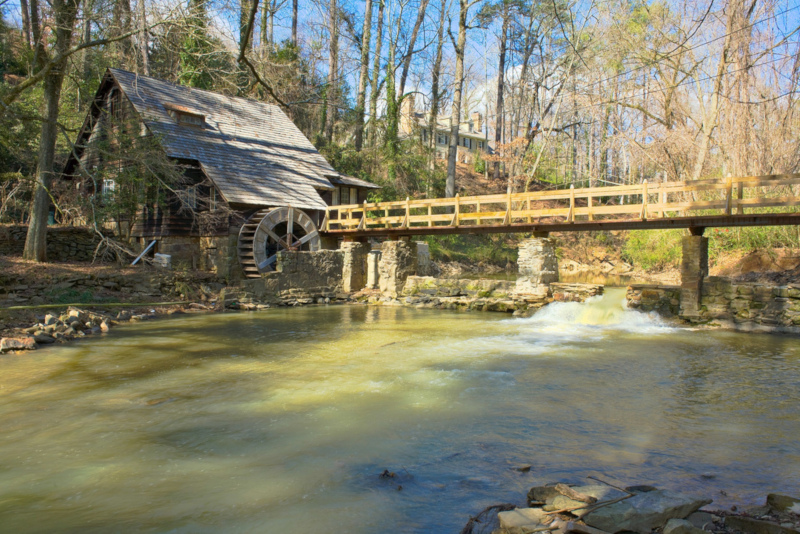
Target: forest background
[584, 93]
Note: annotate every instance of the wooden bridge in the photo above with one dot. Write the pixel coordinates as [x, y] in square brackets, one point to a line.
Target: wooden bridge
[769, 200]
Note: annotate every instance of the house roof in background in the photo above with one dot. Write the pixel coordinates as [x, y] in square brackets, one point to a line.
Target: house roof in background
[352, 181]
[251, 150]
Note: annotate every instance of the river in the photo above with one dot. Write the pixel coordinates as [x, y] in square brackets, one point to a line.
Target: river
[283, 420]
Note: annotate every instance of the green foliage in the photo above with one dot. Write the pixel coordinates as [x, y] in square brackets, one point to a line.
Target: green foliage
[653, 249]
[73, 296]
[478, 164]
[485, 248]
[344, 159]
[196, 48]
[751, 239]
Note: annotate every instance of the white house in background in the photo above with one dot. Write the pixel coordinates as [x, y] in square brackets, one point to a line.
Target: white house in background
[471, 137]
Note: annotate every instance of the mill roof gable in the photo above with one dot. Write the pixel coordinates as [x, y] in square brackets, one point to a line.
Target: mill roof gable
[251, 150]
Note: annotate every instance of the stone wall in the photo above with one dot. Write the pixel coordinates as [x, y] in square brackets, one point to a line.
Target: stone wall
[748, 307]
[665, 300]
[488, 295]
[64, 243]
[301, 277]
[76, 287]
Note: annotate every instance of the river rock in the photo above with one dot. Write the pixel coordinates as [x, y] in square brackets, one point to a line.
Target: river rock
[104, 326]
[541, 494]
[681, 526]
[17, 343]
[521, 519]
[599, 492]
[50, 319]
[783, 503]
[702, 520]
[644, 511]
[757, 526]
[44, 339]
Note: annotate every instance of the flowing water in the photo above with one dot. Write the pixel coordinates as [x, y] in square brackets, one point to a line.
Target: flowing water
[282, 421]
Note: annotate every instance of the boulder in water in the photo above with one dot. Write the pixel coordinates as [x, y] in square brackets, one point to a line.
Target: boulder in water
[17, 343]
[644, 511]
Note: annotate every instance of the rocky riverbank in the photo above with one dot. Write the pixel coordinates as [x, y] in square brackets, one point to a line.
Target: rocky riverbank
[603, 508]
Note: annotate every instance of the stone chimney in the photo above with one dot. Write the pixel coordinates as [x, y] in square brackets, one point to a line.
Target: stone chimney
[407, 115]
[476, 119]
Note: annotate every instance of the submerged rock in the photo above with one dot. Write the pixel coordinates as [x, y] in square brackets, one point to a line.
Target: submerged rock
[598, 492]
[783, 503]
[44, 339]
[522, 519]
[681, 526]
[644, 512]
[17, 343]
[757, 526]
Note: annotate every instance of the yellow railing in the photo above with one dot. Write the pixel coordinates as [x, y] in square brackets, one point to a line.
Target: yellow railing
[643, 201]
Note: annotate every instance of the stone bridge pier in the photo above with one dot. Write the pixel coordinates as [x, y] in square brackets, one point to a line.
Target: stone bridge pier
[694, 268]
[537, 264]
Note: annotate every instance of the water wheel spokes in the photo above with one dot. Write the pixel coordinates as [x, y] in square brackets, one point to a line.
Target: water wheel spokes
[269, 232]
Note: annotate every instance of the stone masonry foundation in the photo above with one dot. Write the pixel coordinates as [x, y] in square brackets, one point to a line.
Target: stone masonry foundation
[398, 262]
[538, 266]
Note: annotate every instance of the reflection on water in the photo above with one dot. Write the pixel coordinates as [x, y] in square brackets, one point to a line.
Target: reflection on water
[281, 421]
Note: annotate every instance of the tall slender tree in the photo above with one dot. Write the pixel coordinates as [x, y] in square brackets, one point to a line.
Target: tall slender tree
[376, 70]
[333, 71]
[64, 13]
[361, 96]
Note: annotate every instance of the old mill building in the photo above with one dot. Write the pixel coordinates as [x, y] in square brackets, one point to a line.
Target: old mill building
[248, 172]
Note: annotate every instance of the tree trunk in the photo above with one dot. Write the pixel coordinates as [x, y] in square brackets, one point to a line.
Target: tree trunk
[271, 26]
[64, 14]
[361, 98]
[263, 41]
[121, 26]
[437, 72]
[86, 37]
[294, 22]
[333, 69]
[412, 42]
[376, 69]
[26, 22]
[144, 39]
[455, 115]
[501, 74]
[392, 112]
[244, 15]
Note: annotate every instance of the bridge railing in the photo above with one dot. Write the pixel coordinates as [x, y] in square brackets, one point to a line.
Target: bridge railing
[730, 196]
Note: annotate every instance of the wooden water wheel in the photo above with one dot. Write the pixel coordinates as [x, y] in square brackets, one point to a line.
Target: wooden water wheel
[270, 231]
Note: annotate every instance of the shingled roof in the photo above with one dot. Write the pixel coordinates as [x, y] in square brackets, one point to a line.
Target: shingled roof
[252, 151]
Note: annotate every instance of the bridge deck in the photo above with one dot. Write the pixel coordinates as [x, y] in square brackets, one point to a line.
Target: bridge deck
[769, 200]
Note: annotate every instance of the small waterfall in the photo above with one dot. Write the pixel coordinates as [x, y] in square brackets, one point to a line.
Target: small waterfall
[604, 312]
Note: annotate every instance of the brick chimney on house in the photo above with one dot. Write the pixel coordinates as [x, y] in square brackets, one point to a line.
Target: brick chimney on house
[476, 120]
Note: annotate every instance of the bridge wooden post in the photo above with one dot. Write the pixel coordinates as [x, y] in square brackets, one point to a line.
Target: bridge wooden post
[407, 220]
[728, 195]
[589, 204]
[507, 218]
[571, 214]
[644, 200]
[457, 213]
[740, 197]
